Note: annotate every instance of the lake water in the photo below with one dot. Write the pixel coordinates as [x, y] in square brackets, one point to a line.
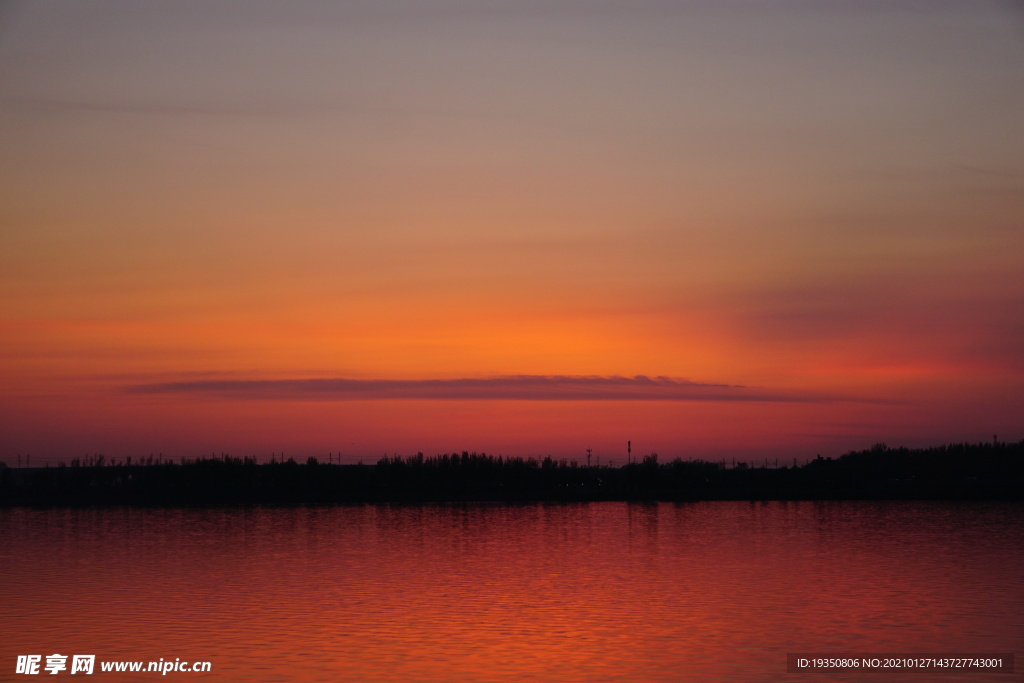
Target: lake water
[716, 591]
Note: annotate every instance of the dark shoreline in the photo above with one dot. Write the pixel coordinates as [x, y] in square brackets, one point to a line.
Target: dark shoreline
[987, 471]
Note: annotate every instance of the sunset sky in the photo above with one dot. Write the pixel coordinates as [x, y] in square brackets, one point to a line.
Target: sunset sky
[714, 228]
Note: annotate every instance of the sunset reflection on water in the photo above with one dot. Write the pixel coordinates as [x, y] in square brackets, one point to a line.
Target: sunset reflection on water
[583, 592]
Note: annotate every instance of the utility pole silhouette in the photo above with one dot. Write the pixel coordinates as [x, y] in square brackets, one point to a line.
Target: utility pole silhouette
[589, 450]
[629, 452]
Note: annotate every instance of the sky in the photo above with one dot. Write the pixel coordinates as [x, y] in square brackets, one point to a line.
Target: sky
[733, 229]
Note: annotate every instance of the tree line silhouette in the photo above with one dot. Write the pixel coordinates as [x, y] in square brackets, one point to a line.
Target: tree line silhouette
[955, 471]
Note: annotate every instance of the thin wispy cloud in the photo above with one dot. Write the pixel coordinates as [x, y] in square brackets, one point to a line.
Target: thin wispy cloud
[513, 387]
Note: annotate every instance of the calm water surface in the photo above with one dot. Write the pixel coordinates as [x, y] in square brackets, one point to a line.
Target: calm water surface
[586, 592]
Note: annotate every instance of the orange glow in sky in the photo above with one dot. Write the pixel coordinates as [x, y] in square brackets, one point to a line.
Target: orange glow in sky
[808, 218]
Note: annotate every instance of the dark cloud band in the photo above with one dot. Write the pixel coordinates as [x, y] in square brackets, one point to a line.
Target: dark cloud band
[515, 387]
